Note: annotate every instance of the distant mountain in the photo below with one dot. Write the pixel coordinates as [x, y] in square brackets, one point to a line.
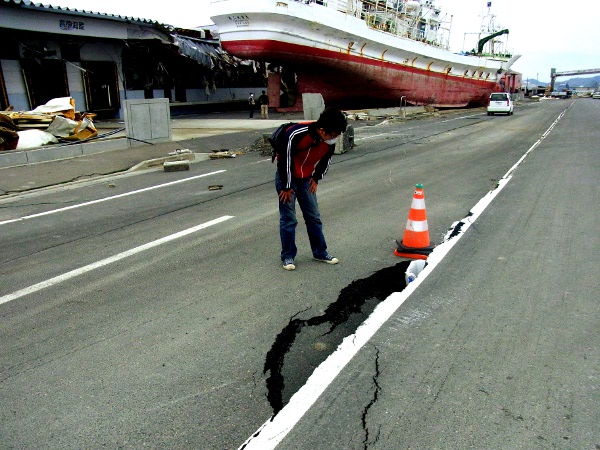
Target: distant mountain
[589, 82]
[534, 82]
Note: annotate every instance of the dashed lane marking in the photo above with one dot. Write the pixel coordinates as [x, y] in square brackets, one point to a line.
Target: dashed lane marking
[104, 262]
[100, 200]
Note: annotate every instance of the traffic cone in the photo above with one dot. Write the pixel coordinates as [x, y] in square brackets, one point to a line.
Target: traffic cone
[415, 244]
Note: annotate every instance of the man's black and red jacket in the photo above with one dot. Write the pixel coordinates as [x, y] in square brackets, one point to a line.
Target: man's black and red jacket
[306, 155]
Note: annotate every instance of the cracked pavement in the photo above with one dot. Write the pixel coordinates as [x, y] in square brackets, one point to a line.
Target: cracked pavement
[369, 439]
[358, 299]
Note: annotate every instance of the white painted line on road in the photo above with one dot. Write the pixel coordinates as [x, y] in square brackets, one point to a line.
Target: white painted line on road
[104, 262]
[100, 200]
[272, 432]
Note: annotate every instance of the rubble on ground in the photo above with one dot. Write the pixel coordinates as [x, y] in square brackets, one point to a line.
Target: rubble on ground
[223, 154]
[56, 121]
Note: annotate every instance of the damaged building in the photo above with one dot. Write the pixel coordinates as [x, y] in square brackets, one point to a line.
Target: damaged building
[100, 60]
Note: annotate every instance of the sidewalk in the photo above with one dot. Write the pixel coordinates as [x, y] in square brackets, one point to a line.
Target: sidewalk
[198, 133]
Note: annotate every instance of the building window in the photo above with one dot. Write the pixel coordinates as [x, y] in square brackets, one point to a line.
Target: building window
[70, 51]
[10, 47]
[45, 79]
[3, 96]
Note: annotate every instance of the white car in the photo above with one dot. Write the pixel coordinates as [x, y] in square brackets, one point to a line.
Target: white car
[596, 94]
[500, 102]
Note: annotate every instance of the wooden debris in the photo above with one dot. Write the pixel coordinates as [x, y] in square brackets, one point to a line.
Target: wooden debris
[180, 151]
[222, 155]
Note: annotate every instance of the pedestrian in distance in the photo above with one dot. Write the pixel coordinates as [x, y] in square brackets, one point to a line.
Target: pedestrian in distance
[301, 164]
[251, 104]
[263, 101]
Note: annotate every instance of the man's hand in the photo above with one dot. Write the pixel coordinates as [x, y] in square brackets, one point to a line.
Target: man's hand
[312, 186]
[286, 196]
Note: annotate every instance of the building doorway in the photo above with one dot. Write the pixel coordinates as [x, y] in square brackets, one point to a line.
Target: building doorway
[101, 87]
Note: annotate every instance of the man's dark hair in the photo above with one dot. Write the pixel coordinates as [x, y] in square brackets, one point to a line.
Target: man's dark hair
[332, 120]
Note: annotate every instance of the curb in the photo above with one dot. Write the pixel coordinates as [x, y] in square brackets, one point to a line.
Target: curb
[157, 163]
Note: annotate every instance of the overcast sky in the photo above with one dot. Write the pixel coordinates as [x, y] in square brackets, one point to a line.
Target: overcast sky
[547, 33]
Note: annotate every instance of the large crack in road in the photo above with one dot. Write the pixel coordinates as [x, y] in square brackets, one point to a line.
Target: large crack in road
[369, 439]
[353, 305]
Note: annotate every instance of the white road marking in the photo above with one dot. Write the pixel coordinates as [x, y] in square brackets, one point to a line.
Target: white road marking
[104, 262]
[92, 202]
[274, 430]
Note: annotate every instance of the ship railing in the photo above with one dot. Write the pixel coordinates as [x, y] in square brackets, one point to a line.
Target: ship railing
[318, 2]
[344, 6]
[306, 2]
[490, 55]
[393, 25]
[351, 6]
[380, 16]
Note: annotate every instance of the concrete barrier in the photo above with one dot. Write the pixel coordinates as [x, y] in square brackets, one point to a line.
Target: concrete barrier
[345, 141]
[176, 166]
[313, 105]
[13, 158]
[54, 153]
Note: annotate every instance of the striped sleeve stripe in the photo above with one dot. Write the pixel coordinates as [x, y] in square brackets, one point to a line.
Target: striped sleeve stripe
[289, 155]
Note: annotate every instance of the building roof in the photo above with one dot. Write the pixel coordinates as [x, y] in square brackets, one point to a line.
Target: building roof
[197, 44]
[28, 4]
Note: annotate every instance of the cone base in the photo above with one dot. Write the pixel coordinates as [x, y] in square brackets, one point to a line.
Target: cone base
[413, 252]
[410, 255]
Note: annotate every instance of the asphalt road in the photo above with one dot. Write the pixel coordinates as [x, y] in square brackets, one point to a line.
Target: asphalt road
[141, 311]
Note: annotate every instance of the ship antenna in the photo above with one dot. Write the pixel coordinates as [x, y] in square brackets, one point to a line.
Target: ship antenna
[450, 31]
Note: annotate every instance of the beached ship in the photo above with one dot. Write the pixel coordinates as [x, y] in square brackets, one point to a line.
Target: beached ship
[362, 52]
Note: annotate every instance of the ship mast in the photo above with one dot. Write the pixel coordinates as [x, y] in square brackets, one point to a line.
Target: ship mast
[490, 31]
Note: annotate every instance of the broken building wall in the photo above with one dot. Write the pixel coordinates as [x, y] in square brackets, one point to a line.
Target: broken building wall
[90, 61]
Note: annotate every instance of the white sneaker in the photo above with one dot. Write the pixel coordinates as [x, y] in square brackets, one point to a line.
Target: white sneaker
[328, 259]
[288, 264]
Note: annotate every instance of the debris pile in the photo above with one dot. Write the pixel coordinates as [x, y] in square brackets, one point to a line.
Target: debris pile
[262, 145]
[56, 121]
[224, 154]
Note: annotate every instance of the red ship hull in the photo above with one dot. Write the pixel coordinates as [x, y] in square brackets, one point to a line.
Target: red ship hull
[348, 80]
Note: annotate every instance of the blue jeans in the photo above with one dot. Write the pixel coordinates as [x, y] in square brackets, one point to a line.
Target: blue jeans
[312, 219]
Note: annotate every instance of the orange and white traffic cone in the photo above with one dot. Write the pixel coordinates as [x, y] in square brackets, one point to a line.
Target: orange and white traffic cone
[415, 244]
